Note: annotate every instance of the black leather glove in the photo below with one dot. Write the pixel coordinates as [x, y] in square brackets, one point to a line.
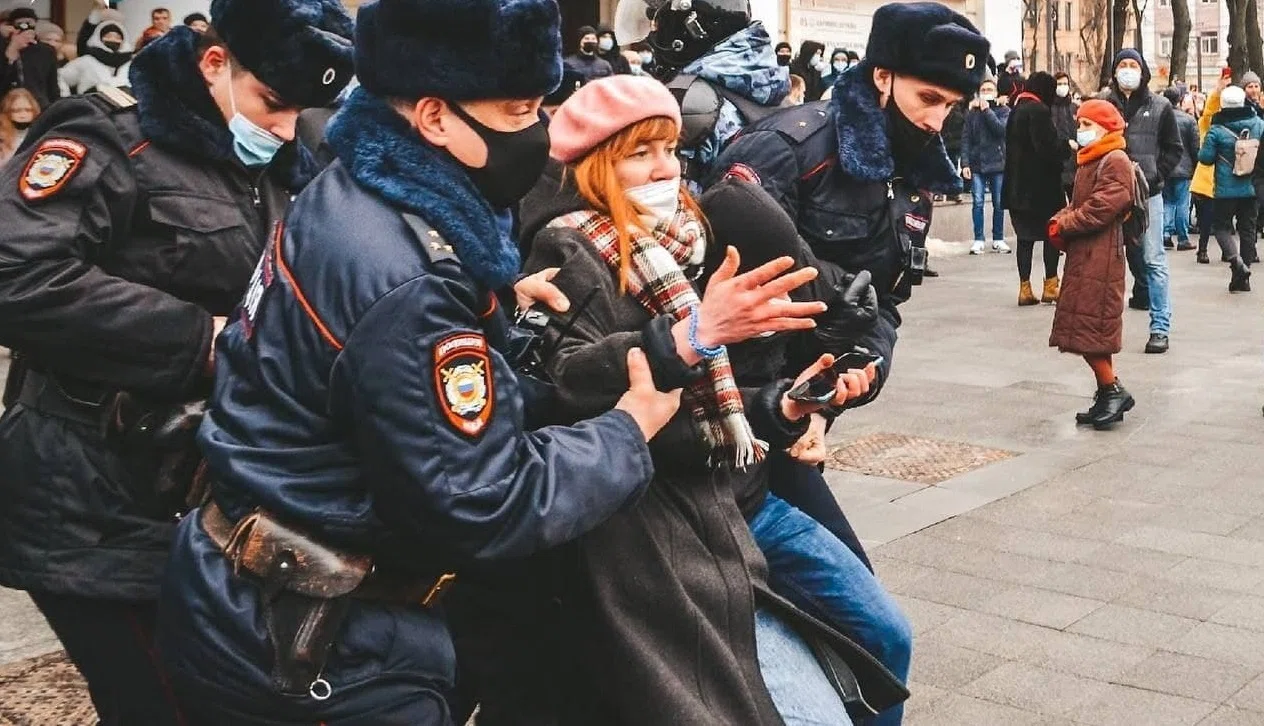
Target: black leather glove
[852, 313]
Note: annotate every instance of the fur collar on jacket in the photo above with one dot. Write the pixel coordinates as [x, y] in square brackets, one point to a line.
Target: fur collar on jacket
[864, 146]
[176, 110]
[386, 156]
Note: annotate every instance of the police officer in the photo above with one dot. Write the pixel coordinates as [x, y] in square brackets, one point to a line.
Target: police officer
[854, 172]
[131, 226]
[366, 435]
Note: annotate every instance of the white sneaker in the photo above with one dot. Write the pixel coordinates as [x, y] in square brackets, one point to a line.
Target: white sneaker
[976, 248]
[1001, 248]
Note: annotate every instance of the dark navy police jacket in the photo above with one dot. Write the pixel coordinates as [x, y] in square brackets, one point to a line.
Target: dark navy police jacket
[363, 396]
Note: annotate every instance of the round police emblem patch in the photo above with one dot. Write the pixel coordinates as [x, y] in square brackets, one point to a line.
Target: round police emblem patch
[463, 382]
[53, 164]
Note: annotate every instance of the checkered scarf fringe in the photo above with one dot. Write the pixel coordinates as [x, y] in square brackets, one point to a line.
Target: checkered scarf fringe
[656, 280]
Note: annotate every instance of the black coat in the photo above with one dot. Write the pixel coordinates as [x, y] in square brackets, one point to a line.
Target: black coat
[1064, 111]
[35, 70]
[109, 284]
[1033, 162]
[801, 66]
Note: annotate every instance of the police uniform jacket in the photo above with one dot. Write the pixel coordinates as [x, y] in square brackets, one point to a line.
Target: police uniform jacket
[126, 227]
[364, 397]
[829, 165]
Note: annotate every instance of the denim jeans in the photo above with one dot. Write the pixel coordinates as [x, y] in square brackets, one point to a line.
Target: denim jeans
[1176, 210]
[799, 689]
[811, 568]
[1149, 270]
[981, 185]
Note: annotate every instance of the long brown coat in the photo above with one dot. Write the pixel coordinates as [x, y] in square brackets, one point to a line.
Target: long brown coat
[1089, 319]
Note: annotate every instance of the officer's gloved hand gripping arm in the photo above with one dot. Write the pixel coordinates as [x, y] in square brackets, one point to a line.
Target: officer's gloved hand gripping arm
[56, 305]
[438, 419]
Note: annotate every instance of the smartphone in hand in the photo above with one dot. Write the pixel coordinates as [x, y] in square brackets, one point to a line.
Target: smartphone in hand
[821, 387]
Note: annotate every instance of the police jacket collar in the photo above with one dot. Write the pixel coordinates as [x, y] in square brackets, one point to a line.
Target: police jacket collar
[386, 156]
[176, 110]
[864, 150]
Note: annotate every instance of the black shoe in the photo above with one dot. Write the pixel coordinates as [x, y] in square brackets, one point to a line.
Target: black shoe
[1084, 418]
[1184, 246]
[1241, 280]
[1168, 244]
[1157, 344]
[930, 273]
[1225, 258]
[1203, 259]
[1139, 303]
[1113, 402]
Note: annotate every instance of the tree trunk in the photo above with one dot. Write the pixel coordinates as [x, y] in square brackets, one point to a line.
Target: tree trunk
[1138, 39]
[1254, 44]
[1238, 58]
[1092, 37]
[1119, 8]
[1182, 25]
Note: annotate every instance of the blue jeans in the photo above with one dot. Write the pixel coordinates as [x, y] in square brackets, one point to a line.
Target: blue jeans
[1176, 209]
[1149, 270]
[981, 185]
[811, 568]
[799, 689]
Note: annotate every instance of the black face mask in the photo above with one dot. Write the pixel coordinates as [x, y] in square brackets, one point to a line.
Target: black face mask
[515, 160]
[588, 48]
[22, 125]
[783, 60]
[113, 45]
[908, 140]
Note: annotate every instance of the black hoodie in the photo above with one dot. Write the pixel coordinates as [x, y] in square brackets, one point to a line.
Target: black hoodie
[801, 66]
[614, 56]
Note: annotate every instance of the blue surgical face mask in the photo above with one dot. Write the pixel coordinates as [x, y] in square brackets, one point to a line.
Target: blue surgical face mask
[255, 146]
[1085, 137]
[1129, 78]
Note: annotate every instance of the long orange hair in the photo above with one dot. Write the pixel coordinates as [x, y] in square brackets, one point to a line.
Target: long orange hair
[8, 134]
[598, 185]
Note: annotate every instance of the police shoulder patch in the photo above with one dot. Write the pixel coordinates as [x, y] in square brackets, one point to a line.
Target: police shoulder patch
[51, 167]
[742, 172]
[463, 382]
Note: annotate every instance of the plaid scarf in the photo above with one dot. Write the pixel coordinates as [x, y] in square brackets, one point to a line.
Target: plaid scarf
[657, 282]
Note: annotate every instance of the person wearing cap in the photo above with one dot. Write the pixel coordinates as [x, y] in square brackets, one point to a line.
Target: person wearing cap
[1250, 83]
[1235, 192]
[197, 21]
[366, 418]
[1011, 81]
[28, 63]
[1088, 321]
[131, 226]
[609, 51]
[1154, 143]
[785, 53]
[586, 62]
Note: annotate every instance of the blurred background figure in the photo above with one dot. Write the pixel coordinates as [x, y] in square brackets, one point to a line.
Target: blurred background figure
[983, 163]
[609, 51]
[18, 110]
[197, 21]
[28, 63]
[784, 53]
[797, 91]
[107, 62]
[585, 62]
[1176, 194]
[810, 65]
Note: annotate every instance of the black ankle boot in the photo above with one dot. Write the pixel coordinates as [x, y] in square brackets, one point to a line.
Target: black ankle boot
[1084, 418]
[1113, 402]
[1241, 279]
[1203, 259]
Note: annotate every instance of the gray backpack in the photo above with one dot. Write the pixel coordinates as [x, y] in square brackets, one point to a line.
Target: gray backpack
[1245, 150]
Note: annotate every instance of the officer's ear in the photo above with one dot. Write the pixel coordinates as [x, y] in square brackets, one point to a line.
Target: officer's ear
[431, 119]
[214, 63]
[884, 81]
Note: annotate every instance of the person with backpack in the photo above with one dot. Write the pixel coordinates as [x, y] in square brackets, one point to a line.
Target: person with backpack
[1089, 318]
[1233, 145]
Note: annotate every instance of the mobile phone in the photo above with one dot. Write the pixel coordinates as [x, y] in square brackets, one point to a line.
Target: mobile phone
[821, 387]
[1226, 73]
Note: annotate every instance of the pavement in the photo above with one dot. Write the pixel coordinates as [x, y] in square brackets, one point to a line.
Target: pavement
[1054, 575]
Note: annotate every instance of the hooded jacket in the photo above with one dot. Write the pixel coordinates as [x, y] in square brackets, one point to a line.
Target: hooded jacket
[614, 56]
[1154, 141]
[1227, 127]
[100, 66]
[801, 66]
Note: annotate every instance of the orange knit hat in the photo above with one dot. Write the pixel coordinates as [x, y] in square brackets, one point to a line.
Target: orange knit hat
[1103, 113]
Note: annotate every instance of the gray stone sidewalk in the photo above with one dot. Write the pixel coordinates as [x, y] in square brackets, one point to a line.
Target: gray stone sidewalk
[1097, 577]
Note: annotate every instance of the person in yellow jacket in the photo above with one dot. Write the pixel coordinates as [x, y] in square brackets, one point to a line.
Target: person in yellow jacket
[1203, 186]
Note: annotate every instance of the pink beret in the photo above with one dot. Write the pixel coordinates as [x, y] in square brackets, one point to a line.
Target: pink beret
[603, 108]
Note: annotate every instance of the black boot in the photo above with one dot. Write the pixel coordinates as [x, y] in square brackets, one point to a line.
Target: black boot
[1158, 343]
[1241, 280]
[1084, 418]
[1203, 259]
[1113, 402]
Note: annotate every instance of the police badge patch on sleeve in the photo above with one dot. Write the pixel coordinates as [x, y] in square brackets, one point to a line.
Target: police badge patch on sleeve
[52, 166]
[463, 381]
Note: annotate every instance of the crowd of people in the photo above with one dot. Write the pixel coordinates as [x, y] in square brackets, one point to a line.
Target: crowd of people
[277, 451]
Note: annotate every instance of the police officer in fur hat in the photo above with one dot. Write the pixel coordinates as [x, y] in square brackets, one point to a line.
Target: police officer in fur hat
[131, 226]
[366, 437]
[854, 171]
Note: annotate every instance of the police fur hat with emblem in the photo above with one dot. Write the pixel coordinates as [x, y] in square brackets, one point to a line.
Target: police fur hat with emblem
[299, 48]
[931, 42]
[459, 50]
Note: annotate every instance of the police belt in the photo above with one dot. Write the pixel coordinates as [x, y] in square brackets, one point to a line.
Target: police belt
[43, 393]
[306, 589]
[268, 549]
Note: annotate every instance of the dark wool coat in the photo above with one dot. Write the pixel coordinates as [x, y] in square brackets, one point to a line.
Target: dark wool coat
[1089, 318]
[1033, 163]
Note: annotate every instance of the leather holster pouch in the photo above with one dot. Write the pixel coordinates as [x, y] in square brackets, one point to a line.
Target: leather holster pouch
[306, 589]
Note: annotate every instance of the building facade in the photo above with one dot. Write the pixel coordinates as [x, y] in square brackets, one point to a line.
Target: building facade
[1208, 42]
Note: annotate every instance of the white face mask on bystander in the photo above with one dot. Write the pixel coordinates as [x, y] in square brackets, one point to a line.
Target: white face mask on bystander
[660, 198]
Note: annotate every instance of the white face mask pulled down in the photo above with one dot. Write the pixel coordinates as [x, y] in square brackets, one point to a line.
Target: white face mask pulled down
[662, 200]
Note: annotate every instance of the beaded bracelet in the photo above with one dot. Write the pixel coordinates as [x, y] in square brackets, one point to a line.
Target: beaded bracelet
[702, 350]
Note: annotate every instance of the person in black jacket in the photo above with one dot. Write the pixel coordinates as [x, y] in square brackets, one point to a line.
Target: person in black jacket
[983, 163]
[954, 128]
[609, 51]
[131, 229]
[28, 63]
[1064, 108]
[811, 65]
[1176, 196]
[1033, 181]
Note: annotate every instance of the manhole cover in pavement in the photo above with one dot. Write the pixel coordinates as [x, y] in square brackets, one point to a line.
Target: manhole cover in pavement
[912, 458]
[44, 691]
